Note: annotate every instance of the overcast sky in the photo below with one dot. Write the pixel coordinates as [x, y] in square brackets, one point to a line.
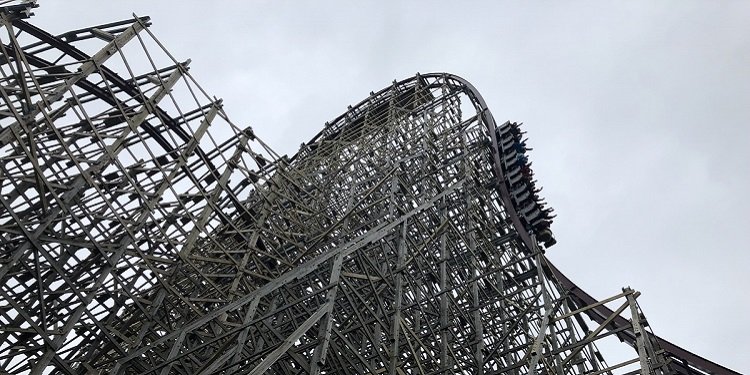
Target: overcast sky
[638, 113]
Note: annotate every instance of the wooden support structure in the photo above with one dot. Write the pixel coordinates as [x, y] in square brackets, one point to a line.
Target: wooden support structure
[143, 232]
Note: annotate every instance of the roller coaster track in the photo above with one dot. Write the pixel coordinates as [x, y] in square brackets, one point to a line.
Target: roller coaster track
[683, 361]
[407, 237]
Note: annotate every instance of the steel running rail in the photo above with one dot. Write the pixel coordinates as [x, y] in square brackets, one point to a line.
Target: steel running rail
[683, 359]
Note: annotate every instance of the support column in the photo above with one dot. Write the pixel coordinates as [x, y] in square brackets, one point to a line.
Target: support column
[72, 195]
[397, 304]
[324, 332]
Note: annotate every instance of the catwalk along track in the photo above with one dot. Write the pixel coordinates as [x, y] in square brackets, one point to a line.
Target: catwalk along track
[143, 232]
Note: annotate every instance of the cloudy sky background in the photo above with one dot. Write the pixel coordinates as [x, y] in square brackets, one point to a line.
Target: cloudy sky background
[638, 113]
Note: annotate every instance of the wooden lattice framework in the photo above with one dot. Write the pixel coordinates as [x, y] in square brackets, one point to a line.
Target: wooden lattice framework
[141, 231]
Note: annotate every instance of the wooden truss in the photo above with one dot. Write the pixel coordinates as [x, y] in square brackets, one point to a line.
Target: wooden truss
[142, 232]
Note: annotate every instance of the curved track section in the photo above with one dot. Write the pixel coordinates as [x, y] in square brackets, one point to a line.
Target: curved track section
[403, 239]
[106, 169]
[681, 361]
